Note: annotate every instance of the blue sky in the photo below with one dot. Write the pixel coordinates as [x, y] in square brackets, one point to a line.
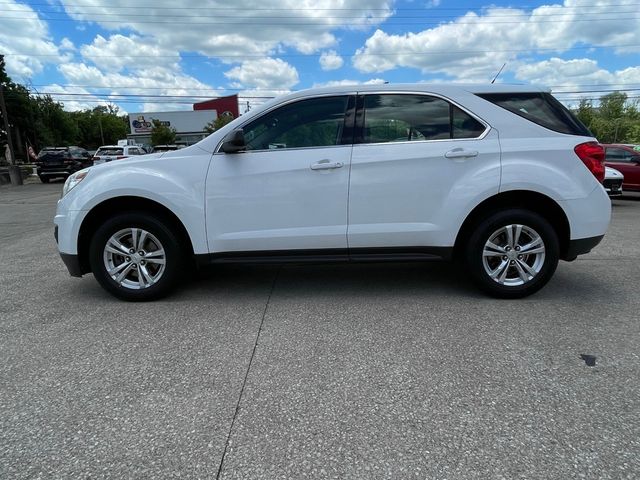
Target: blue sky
[154, 55]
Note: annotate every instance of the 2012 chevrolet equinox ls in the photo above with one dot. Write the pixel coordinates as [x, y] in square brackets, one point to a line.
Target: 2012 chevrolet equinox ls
[504, 178]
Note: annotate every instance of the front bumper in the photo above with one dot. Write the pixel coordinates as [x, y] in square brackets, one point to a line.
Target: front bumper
[72, 262]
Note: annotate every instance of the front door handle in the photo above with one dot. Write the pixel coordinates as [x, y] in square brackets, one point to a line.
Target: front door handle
[461, 153]
[326, 165]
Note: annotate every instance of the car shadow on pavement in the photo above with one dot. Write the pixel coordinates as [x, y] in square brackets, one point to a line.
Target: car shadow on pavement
[373, 281]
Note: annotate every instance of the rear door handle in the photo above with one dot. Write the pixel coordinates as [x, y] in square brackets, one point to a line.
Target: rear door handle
[326, 165]
[461, 153]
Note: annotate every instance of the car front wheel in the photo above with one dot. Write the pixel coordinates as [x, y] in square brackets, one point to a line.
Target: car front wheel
[136, 256]
[513, 253]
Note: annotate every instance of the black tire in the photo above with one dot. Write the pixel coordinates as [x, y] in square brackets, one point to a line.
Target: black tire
[544, 264]
[159, 231]
[44, 179]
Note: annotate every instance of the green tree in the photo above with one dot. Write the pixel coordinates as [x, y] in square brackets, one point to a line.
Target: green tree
[19, 112]
[162, 134]
[218, 123]
[613, 120]
[101, 126]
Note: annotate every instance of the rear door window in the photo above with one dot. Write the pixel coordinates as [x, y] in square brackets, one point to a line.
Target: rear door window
[540, 108]
[408, 117]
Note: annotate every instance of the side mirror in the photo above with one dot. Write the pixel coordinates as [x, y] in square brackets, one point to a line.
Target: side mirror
[234, 142]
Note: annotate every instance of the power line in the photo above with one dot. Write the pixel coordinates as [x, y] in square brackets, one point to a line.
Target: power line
[342, 54]
[229, 89]
[104, 5]
[363, 15]
[294, 22]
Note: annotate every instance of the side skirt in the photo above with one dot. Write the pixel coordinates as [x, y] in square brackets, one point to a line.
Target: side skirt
[384, 254]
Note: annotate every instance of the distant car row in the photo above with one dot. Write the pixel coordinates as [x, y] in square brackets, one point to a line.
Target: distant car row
[60, 162]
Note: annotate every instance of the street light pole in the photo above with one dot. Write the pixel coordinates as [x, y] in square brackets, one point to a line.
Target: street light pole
[14, 170]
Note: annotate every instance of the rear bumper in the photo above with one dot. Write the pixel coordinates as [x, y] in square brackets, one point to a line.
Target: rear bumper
[581, 246]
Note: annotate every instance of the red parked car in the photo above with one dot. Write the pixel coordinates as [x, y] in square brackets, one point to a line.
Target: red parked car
[625, 159]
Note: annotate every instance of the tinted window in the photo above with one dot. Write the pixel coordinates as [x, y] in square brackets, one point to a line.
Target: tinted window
[464, 125]
[402, 118]
[109, 151]
[618, 155]
[540, 108]
[316, 122]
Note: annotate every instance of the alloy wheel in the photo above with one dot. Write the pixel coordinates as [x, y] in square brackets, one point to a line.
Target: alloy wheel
[513, 255]
[134, 258]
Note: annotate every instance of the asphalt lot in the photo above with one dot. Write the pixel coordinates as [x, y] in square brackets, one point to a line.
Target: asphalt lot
[363, 371]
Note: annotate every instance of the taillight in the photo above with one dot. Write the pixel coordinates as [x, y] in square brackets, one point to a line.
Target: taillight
[592, 155]
[93, 159]
[121, 157]
[68, 161]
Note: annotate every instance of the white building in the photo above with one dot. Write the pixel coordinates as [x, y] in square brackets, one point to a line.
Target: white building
[189, 125]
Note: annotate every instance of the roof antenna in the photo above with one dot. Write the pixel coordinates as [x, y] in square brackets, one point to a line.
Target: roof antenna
[498, 74]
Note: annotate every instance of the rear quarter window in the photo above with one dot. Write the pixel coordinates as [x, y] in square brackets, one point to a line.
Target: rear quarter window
[540, 108]
[109, 151]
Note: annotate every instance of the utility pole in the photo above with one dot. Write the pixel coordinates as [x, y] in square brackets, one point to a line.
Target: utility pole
[14, 170]
[100, 123]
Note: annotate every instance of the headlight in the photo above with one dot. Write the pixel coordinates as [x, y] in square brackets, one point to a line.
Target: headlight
[74, 180]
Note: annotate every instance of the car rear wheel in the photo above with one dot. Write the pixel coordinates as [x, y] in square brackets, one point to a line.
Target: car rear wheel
[136, 256]
[513, 253]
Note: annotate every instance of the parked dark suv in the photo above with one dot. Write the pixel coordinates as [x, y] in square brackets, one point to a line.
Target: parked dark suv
[60, 162]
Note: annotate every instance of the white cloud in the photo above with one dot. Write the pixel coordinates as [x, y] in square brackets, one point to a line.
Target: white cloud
[67, 44]
[473, 47]
[346, 82]
[25, 41]
[569, 75]
[119, 52]
[330, 60]
[264, 74]
[214, 29]
[150, 82]
[88, 100]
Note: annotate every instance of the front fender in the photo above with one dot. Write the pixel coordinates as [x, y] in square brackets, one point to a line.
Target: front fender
[182, 192]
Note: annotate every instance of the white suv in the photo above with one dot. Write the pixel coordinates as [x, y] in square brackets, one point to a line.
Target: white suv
[109, 153]
[503, 178]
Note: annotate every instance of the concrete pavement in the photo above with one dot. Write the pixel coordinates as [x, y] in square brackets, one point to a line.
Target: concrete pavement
[361, 371]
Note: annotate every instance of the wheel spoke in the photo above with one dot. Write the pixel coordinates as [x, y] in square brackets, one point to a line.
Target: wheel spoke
[523, 275]
[134, 238]
[154, 254]
[516, 235]
[116, 247]
[143, 238]
[531, 246]
[144, 278]
[500, 269]
[495, 247]
[526, 267]
[118, 268]
[491, 253]
[157, 261]
[124, 273]
[509, 235]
